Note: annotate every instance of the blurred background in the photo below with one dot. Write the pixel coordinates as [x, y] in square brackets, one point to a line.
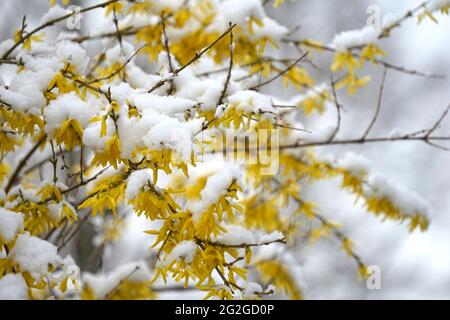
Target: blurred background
[412, 265]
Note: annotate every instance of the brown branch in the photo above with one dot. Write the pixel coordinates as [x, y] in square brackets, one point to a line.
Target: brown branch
[193, 59]
[401, 69]
[121, 282]
[22, 163]
[241, 245]
[338, 110]
[359, 141]
[115, 72]
[279, 74]
[230, 68]
[167, 48]
[377, 112]
[438, 123]
[52, 22]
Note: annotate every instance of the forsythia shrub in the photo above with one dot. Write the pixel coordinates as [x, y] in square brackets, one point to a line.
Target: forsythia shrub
[93, 137]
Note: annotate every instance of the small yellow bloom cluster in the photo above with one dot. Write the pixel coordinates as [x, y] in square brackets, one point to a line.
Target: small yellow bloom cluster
[105, 138]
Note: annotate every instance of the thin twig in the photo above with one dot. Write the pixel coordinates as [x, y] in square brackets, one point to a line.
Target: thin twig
[279, 74]
[230, 68]
[338, 110]
[193, 59]
[377, 112]
[52, 22]
[167, 48]
[22, 163]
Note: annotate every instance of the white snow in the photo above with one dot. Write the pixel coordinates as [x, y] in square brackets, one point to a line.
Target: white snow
[355, 164]
[408, 201]
[251, 101]
[11, 223]
[34, 255]
[67, 106]
[238, 11]
[13, 287]
[272, 237]
[184, 250]
[53, 13]
[73, 53]
[217, 184]
[235, 235]
[136, 181]
[105, 283]
[25, 90]
[354, 38]
[163, 104]
[173, 134]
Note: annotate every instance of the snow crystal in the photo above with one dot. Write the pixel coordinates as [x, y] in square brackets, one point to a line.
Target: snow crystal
[217, 184]
[120, 93]
[67, 106]
[53, 13]
[235, 235]
[136, 181]
[354, 38]
[173, 134]
[25, 90]
[162, 104]
[11, 223]
[119, 53]
[355, 164]
[238, 11]
[270, 29]
[13, 287]
[407, 201]
[104, 283]
[183, 250]
[33, 254]
[91, 134]
[73, 53]
[272, 237]
[251, 101]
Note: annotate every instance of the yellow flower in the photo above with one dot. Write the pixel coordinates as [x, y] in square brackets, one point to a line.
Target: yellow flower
[70, 133]
[117, 6]
[108, 193]
[110, 155]
[50, 192]
[371, 52]
[276, 273]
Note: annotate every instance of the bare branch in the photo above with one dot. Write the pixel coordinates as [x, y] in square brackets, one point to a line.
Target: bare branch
[377, 112]
[279, 74]
[193, 59]
[52, 22]
[230, 68]
[338, 110]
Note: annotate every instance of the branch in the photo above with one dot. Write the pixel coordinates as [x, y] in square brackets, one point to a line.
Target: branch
[119, 69]
[376, 61]
[22, 163]
[241, 245]
[52, 22]
[279, 74]
[377, 112]
[338, 109]
[166, 47]
[230, 68]
[195, 58]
